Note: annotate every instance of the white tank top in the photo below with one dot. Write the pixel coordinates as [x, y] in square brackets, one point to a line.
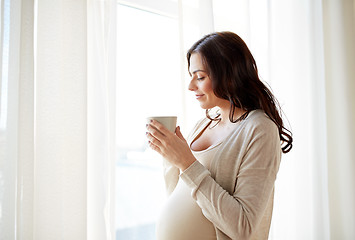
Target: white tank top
[181, 218]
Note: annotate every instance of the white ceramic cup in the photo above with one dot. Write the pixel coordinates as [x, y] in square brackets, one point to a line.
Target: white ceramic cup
[168, 121]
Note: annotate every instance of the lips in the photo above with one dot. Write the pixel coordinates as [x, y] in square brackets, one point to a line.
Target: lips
[199, 95]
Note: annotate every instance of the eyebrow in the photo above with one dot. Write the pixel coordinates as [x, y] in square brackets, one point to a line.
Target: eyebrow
[198, 70]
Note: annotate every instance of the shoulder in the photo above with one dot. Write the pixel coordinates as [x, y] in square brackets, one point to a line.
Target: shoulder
[257, 125]
[260, 121]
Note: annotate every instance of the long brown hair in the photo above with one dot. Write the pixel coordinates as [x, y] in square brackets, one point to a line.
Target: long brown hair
[234, 75]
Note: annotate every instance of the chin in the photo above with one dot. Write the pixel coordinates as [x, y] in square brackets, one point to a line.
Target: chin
[204, 106]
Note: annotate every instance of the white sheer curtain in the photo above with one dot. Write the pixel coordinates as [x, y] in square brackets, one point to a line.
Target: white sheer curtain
[56, 143]
[305, 51]
[339, 45]
[101, 118]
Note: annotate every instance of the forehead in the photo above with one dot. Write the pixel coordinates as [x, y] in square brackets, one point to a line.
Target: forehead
[196, 63]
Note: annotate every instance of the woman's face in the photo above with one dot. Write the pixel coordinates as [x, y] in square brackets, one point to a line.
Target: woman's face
[201, 84]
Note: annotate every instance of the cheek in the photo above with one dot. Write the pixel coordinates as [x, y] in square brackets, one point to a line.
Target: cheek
[206, 86]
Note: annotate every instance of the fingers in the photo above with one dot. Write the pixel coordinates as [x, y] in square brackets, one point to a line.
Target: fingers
[153, 140]
[160, 127]
[154, 131]
[179, 134]
[166, 142]
[154, 147]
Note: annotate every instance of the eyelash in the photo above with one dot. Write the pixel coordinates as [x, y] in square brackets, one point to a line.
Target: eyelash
[201, 78]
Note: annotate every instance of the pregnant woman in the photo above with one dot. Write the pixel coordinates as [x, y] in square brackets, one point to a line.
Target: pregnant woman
[221, 179]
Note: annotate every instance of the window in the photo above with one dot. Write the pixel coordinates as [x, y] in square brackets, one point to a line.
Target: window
[148, 83]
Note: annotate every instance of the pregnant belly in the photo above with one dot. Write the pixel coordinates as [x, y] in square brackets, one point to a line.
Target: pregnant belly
[181, 218]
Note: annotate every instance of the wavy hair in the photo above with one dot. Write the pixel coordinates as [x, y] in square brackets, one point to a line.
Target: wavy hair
[234, 75]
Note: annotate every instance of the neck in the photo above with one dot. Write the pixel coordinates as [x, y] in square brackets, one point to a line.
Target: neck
[225, 114]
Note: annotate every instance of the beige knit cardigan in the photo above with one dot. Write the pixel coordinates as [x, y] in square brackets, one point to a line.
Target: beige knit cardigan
[236, 193]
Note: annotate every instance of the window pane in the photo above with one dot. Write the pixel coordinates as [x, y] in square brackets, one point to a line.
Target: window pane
[148, 83]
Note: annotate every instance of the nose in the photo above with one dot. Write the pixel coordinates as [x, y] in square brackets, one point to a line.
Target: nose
[192, 85]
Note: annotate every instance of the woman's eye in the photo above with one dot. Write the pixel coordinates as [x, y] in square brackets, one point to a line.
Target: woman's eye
[200, 78]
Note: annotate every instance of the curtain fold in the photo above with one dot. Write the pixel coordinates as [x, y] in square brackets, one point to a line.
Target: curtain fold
[9, 118]
[101, 117]
[60, 168]
[339, 50]
[26, 131]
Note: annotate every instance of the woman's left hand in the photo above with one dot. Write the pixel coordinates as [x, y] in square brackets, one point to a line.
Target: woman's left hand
[172, 146]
